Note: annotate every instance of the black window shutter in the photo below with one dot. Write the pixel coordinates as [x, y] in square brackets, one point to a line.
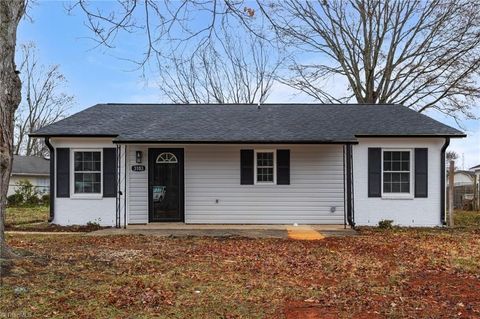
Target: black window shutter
[246, 167]
[374, 172]
[421, 172]
[283, 167]
[63, 172]
[109, 172]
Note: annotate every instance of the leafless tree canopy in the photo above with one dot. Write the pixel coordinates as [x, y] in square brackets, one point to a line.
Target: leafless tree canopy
[233, 68]
[44, 101]
[423, 54]
[161, 24]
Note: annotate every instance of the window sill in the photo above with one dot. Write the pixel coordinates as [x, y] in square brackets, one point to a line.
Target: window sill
[86, 196]
[398, 197]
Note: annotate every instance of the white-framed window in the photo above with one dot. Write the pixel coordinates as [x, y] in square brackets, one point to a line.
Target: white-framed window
[397, 173]
[86, 173]
[265, 167]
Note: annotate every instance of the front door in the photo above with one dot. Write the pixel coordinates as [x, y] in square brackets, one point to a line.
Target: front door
[165, 179]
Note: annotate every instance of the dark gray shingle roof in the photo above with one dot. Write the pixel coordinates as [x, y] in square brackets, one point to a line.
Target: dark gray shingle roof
[30, 165]
[295, 123]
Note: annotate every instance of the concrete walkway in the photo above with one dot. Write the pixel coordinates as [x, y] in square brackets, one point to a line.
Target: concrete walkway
[302, 232]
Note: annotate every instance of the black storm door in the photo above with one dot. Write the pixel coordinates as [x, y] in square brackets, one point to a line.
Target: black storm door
[165, 191]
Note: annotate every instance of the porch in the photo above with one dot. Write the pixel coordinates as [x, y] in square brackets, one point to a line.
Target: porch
[219, 186]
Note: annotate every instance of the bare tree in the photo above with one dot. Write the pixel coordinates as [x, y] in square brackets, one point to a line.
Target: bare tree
[44, 101]
[11, 12]
[423, 54]
[233, 69]
[163, 25]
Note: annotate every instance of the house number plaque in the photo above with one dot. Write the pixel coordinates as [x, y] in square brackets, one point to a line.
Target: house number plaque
[138, 168]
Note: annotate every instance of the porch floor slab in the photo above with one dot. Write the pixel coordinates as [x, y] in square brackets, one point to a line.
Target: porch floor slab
[184, 226]
[249, 231]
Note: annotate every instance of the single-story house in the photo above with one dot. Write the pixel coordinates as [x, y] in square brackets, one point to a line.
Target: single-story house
[123, 164]
[35, 169]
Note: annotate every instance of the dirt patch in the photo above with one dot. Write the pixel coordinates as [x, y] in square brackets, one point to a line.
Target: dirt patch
[439, 292]
[47, 227]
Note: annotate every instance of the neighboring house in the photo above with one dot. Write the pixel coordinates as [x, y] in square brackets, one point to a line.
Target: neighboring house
[476, 171]
[464, 191]
[462, 178]
[122, 164]
[32, 168]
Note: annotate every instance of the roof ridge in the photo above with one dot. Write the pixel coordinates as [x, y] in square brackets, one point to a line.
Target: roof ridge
[256, 105]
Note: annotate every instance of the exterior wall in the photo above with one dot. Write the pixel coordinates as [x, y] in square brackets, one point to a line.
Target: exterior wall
[404, 212]
[80, 211]
[212, 172]
[41, 183]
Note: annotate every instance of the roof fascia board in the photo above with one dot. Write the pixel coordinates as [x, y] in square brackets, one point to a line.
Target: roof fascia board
[231, 142]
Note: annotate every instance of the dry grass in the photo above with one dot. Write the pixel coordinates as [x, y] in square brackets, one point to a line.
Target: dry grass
[17, 216]
[464, 218]
[393, 274]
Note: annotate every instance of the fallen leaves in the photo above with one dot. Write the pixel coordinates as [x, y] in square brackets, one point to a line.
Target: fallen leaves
[407, 273]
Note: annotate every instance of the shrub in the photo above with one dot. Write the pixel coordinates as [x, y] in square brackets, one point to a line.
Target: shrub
[45, 199]
[25, 195]
[15, 200]
[385, 224]
[31, 201]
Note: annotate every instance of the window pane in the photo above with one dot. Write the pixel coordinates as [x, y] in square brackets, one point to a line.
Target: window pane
[396, 156]
[395, 166]
[387, 156]
[97, 165]
[387, 187]
[387, 166]
[87, 166]
[405, 166]
[405, 188]
[405, 156]
[405, 177]
[395, 177]
[395, 187]
[387, 177]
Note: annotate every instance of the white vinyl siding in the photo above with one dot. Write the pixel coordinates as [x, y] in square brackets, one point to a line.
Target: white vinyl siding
[137, 195]
[212, 172]
[403, 210]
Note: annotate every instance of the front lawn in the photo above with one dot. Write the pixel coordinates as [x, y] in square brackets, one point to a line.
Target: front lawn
[35, 218]
[378, 274]
[17, 216]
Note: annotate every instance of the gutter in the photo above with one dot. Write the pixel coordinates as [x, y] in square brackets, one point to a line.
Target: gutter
[52, 179]
[442, 181]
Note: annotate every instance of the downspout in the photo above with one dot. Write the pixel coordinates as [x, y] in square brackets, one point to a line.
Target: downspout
[350, 216]
[125, 188]
[344, 191]
[52, 179]
[442, 181]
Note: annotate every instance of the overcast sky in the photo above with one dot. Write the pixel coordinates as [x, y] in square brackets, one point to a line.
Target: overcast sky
[98, 75]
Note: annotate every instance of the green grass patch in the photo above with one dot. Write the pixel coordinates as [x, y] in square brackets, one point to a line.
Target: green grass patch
[26, 215]
[467, 218]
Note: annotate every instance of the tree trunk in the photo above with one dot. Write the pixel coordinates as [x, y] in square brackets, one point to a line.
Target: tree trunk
[11, 12]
